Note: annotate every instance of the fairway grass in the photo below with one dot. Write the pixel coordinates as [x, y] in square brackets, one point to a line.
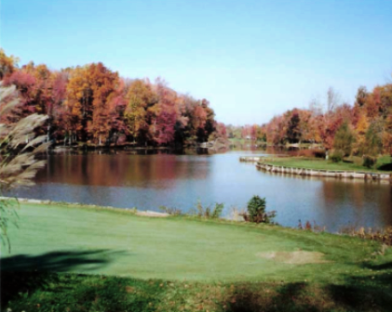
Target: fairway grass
[180, 257]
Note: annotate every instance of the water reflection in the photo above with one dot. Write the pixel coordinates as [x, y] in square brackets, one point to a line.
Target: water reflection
[357, 203]
[127, 180]
[123, 169]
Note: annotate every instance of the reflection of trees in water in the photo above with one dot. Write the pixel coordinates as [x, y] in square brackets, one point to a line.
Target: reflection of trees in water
[158, 171]
[148, 181]
[357, 202]
[351, 202]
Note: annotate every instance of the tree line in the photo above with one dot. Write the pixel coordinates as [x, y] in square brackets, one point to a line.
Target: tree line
[93, 104]
[364, 128]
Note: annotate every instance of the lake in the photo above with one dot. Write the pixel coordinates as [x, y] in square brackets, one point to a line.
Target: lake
[123, 179]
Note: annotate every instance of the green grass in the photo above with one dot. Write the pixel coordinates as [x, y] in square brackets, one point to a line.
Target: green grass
[178, 263]
[354, 164]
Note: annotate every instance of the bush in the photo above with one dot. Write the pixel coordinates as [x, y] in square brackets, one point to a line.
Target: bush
[256, 211]
[336, 156]
[208, 212]
[217, 211]
[369, 161]
[317, 153]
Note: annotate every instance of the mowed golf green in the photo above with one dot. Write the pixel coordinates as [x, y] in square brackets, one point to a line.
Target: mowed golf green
[66, 238]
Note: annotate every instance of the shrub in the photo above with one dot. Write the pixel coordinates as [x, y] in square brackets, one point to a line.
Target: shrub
[256, 211]
[208, 212]
[336, 156]
[217, 211]
[317, 153]
[369, 161]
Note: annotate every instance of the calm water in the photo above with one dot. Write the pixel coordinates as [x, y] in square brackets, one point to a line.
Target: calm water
[149, 181]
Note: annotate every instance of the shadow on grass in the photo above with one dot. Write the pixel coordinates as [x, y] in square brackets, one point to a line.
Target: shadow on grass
[289, 297]
[58, 261]
[385, 167]
[25, 273]
[381, 267]
[370, 293]
[80, 292]
[366, 293]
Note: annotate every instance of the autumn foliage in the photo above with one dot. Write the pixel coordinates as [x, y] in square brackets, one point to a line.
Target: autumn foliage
[364, 128]
[91, 104]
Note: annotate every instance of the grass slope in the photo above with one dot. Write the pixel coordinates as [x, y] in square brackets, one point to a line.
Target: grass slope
[181, 264]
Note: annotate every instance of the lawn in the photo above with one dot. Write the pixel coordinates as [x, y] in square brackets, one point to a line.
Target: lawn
[322, 164]
[182, 263]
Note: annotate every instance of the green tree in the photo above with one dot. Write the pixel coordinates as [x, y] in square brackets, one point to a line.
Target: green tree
[373, 138]
[344, 139]
[293, 132]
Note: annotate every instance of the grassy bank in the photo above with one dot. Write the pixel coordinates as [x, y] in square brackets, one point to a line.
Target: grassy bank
[322, 164]
[66, 257]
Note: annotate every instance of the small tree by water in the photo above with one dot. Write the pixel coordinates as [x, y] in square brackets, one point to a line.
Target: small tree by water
[256, 211]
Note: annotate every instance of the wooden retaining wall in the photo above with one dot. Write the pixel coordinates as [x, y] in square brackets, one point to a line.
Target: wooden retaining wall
[326, 173]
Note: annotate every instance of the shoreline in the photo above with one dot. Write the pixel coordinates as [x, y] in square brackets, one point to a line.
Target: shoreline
[134, 210]
[262, 164]
[338, 174]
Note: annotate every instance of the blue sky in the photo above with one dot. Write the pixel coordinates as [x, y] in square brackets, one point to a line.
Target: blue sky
[252, 59]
